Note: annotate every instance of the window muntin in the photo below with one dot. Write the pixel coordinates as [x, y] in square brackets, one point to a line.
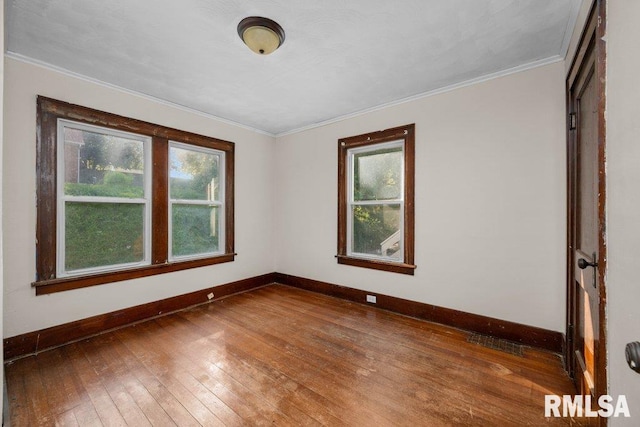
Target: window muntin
[104, 208]
[376, 201]
[376, 179]
[196, 201]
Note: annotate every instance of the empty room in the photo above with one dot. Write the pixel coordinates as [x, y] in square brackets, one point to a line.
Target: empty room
[223, 212]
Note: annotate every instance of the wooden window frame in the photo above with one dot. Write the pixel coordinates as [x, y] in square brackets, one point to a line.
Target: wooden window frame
[407, 135]
[48, 112]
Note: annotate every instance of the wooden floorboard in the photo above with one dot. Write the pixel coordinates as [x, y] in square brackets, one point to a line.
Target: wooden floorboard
[283, 356]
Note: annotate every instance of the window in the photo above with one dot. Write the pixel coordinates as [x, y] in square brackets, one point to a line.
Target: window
[375, 200]
[104, 199]
[120, 198]
[195, 197]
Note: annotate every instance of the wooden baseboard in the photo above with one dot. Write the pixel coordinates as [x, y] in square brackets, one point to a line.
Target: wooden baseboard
[33, 342]
[523, 334]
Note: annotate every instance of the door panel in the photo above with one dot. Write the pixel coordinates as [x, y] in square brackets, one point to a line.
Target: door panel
[587, 324]
[587, 145]
[586, 237]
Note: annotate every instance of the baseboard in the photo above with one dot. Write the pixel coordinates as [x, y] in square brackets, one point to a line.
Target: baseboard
[33, 342]
[523, 334]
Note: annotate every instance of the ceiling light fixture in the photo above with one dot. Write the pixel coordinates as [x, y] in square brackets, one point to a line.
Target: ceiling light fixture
[262, 35]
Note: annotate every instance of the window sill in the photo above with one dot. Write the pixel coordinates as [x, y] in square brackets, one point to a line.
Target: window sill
[394, 267]
[44, 287]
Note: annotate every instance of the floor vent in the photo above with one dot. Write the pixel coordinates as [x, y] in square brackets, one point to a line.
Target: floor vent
[496, 344]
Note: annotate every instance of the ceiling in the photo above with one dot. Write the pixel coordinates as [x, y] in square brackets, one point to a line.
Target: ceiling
[339, 57]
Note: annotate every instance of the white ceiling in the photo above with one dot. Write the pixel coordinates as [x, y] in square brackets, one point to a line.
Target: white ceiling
[339, 57]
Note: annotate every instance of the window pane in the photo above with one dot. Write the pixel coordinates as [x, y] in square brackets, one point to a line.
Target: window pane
[102, 165]
[194, 229]
[378, 174]
[376, 230]
[103, 234]
[194, 174]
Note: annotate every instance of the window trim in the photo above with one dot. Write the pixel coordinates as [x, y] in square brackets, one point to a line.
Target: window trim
[345, 145]
[48, 112]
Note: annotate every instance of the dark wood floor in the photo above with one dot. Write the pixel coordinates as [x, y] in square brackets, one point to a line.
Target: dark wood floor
[283, 356]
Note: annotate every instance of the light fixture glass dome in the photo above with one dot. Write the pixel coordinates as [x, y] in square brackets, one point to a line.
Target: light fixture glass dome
[261, 35]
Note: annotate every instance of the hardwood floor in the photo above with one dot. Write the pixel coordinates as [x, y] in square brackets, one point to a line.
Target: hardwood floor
[284, 356]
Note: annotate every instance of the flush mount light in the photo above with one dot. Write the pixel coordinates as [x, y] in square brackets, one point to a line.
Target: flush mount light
[262, 35]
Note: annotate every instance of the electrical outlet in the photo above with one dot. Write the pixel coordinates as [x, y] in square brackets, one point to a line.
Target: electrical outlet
[210, 296]
[371, 298]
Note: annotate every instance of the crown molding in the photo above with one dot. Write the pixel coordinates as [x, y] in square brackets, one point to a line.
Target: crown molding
[64, 71]
[571, 26]
[470, 82]
[449, 88]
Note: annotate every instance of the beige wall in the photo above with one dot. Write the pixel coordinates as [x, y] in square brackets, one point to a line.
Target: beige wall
[623, 197]
[490, 199]
[24, 311]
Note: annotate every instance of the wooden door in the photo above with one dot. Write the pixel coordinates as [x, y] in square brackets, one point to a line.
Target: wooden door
[586, 353]
[586, 253]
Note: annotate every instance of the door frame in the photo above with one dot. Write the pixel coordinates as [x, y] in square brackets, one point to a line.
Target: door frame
[591, 39]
